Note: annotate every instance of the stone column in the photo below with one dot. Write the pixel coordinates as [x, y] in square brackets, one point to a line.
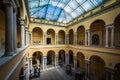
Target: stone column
[112, 37]
[66, 58]
[87, 69]
[67, 38]
[109, 74]
[9, 48]
[22, 35]
[56, 38]
[56, 60]
[30, 63]
[44, 38]
[88, 37]
[75, 62]
[75, 38]
[44, 62]
[14, 30]
[107, 37]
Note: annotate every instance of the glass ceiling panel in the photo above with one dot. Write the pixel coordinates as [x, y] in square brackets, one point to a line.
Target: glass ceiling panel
[61, 10]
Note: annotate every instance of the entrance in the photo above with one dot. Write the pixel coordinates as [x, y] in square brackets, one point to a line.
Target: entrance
[48, 40]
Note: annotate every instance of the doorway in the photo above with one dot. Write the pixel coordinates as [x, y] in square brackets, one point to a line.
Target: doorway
[48, 40]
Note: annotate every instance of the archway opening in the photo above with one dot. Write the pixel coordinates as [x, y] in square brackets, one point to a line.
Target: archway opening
[80, 62]
[61, 36]
[61, 58]
[50, 59]
[97, 28]
[97, 71]
[37, 36]
[71, 36]
[117, 31]
[50, 36]
[21, 74]
[117, 72]
[81, 35]
[71, 58]
[37, 59]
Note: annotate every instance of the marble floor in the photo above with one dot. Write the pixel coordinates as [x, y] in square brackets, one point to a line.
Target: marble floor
[54, 74]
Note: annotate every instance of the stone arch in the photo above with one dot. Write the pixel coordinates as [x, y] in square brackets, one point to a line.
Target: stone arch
[71, 36]
[37, 36]
[98, 28]
[61, 35]
[117, 72]
[61, 57]
[51, 58]
[37, 59]
[50, 36]
[81, 35]
[97, 71]
[117, 31]
[80, 61]
[21, 74]
[71, 58]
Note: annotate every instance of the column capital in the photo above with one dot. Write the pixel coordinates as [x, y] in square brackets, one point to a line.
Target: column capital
[109, 26]
[87, 30]
[8, 2]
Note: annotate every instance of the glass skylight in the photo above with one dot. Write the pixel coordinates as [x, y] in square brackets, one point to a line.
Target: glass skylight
[61, 10]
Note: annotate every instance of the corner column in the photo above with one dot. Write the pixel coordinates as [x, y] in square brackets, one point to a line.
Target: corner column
[87, 65]
[9, 48]
[75, 38]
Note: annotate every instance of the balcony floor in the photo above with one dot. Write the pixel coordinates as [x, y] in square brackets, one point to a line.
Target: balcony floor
[54, 74]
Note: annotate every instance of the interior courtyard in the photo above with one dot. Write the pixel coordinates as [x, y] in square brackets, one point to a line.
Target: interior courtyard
[59, 39]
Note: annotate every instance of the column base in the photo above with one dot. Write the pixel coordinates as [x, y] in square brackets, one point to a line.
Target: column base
[9, 53]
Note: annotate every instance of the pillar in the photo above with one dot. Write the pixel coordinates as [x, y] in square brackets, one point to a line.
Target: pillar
[112, 37]
[88, 37]
[56, 38]
[75, 62]
[75, 38]
[30, 63]
[14, 30]
[22, 35]
[107, 37]
[9, 48]
[109, 74]
[44, 62]
[44, 38]
[67, 38]
[56, 60]
[66, 58]
[87, 66]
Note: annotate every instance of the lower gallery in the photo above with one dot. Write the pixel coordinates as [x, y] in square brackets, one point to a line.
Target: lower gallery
[59, 40]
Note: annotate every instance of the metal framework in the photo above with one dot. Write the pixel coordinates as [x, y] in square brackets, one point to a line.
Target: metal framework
[61, 10]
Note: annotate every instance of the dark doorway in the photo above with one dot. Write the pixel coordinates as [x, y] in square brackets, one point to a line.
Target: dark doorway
[48, 40]
[95, 39]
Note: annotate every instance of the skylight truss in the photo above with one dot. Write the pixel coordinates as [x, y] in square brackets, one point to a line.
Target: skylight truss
[61, 10]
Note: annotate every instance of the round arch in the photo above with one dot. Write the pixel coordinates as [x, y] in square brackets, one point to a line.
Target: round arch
[50, 36]
[81, 35]
[50, 58]
[80, 61]
[97, 70]
[71, 36]
[117, 72]
[97, 28]
[117, 31]
[21, 74]
[37, 36]
[61, 57]
[61, 35]
[71, 58]
[37, 59]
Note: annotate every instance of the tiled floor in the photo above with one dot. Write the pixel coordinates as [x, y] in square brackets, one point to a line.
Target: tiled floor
[54, 74]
